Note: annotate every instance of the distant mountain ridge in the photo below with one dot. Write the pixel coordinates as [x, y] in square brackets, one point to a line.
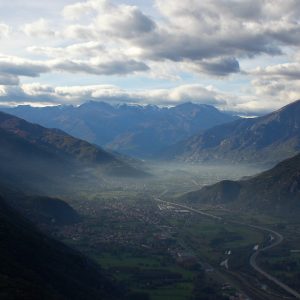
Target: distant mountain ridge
[130, 129]
[266, 139]
[274, 192]
[31, 155]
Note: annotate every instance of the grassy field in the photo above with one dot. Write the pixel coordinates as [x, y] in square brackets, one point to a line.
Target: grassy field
[125, 266]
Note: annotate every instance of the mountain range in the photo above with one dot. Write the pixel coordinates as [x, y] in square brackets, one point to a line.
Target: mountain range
[274, 192]
[34, 160]
[135, 130]
[31, 154]
[267, 139]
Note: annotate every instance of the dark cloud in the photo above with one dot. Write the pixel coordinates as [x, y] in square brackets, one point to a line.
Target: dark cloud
[113, 67]
[222, 66]
[19, 67]
[8, 79]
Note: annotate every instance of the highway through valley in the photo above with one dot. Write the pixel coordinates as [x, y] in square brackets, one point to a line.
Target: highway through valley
[276, 239]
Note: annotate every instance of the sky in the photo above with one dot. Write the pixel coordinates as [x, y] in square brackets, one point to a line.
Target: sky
[238, 55]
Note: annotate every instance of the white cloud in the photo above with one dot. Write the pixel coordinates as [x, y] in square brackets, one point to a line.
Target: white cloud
[88, 49]
[36, 89]
[289, 71]
[80, 9]
[189, 41]
[279, 83]
[39, 28]
[79, 94]
[208, 36]
[99, 65]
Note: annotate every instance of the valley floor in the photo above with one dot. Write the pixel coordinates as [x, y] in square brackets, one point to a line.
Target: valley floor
[165, 251]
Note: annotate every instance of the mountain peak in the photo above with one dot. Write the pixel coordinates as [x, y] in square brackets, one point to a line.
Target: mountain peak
[266, 139]
[132, 129]
[96, 104]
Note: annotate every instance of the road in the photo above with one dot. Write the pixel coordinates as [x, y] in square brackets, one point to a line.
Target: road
[254, 265]
[278, 238]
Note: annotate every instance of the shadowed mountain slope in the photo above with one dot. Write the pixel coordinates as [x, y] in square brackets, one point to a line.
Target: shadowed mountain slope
[274, 192]
[33, 154]
[34, 267]
[266, 139]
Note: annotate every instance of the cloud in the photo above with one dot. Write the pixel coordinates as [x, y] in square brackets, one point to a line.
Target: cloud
[208, 36]
[80, 9]
[4, 30]
[125, 21]
[290, 71]
[21, 67]
[273, 86]
[36, 92]
[119, 21]
[8, 79]
[37, 89]
[189, 41]
[280, 81]
[196, 30]
[99, 65]
[275, 90]
[88, 49]
[221, 66]
[43, 94]
[39, 28]
[205, 37]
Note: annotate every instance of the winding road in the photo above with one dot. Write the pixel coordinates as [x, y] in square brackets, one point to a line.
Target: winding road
[278, 238]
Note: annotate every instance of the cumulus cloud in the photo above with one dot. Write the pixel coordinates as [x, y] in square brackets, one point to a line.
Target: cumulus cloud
[114, 21]
[91, 58]
[80, 9]
[98, 66]
[106, 65]
[220, 66]
[88, 49]
[273, 86]
[276, 90]
[289, 71]
[39, 28]
[280, 81]
[187, 40]
[15, 66]
[37, 89]
[208, 36]
[196, 30]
